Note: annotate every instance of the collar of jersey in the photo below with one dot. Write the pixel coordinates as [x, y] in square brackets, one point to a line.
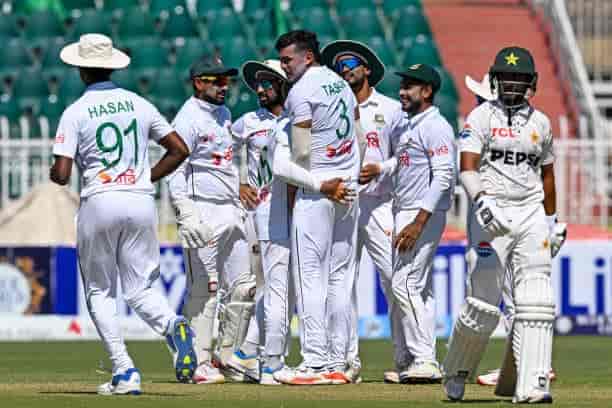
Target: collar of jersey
[101, 86]
[415, 120]
[206, 106]
[371, 99]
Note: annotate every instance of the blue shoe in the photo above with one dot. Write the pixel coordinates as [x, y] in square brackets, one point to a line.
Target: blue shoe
[267, 376]
[180, 341]
[245, 366]
[127, 383]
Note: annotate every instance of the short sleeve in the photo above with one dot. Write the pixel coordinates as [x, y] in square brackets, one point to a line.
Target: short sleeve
[160, 127]
[67, 136]
[239, 129]
[298, 106]
[471, 138]
[183, 127]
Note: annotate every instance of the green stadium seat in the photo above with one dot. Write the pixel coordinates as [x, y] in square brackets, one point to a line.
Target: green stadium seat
[31, 85]
[192, 49]
[241, 102]
[8, 25]
[260, 20]
[252, 6]
[51, 109]
[42, 24]
[266, 49]
[390, 83]
[51, 49]
[145, 52]
[92, 21]
[78, 4]
[318, 20]
[236, 53]
[301, 6]
[168, 106]
[205, 6]
[391, 7]
[158, 7]
[422, 50]
[170, 83]
[136, 22]
[179, 24]
[71, 87]
[411, 22]
[9, 107]
[345, 5]
[448, 109]
[381, 47]
[222, 25]
[448, 88]
[121, 4]
[14, 54]
[362, 22]
[123, 78]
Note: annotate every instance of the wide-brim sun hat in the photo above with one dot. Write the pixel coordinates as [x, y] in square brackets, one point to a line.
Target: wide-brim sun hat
[251, 70]
[336, 49]
[94, 51]
[482, 89]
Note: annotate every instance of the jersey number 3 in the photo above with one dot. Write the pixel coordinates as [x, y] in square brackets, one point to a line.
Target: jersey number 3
[115, 149]
[346, 126]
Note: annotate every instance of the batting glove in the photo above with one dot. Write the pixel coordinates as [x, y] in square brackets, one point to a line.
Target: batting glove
[192, 231]
[557, 234]
[490, 217]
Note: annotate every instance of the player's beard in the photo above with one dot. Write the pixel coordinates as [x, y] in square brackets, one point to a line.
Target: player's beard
[414, 106]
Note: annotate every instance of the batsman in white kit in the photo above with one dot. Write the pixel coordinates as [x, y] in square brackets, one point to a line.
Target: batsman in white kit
[363, 70]
[255, 134]
[423, 176]
[507, 171]
[211, 219]
[107, 132]
[323, 115]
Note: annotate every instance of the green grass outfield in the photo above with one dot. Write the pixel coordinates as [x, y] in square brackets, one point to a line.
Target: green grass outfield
[53, 375]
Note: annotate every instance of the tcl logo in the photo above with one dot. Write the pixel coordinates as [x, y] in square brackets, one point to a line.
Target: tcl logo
[514, 158]
[503, 132]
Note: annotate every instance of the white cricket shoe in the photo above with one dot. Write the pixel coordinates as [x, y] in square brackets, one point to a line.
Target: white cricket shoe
[127, 383]
[492, 377]
[535, 397]
[302, 375]
[206, 373]
[353, 372]
[454, 387]
[247, 367]
[337, 376]
[427, 372]
[391, 377]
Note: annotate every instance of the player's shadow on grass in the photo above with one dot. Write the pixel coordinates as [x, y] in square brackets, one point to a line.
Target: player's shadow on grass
[152, 394]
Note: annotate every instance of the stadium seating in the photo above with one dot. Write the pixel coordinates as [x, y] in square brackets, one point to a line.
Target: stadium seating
[178, 23]
[40, 25]
[91, 21]
[136, 22]
[361, 22]
[316, 19]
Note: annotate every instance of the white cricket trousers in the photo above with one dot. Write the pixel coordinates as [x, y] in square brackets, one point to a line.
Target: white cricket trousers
[216, 266]
[413, 286]
[117, 238]
[323, 242]
[374, 234]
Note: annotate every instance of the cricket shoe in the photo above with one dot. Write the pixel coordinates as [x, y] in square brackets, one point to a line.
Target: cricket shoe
[391, 377]
[454, 387]
[246, 367]
[302, 375]
[491, 378]
[421, 372]
[127, 383]
[353, 372]
[206, 373]
[337, 376]
[267, 376]
[535, 397]
[180, 343]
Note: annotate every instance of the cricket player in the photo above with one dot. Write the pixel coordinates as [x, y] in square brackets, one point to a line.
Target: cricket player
[323, 117]
[507, 171]
[363, 70]
[107, 131]
[204, 190]
[268, 197]
[423, 174]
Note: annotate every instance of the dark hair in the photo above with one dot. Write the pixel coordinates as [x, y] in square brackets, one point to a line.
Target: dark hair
[303, 40]
[97, 74]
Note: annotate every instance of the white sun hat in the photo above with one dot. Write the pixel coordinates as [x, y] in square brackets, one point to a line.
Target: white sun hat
[94, 51]
[482, 89]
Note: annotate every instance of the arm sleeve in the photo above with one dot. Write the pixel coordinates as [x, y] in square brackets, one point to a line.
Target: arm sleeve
[548, 154]
[160, 127]
[441, 148]
[471, 137]
[177, 181]
[289, 172]
[67, 136]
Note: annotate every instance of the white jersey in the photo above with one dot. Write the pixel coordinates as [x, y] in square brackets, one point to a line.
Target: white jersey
[208, 173]
[257, 131]
[107, 132]
[321, 96]
[424, 150]
[375, 115]
[511, 157]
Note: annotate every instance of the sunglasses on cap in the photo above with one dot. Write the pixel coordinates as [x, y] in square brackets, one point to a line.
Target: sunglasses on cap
[217, 81]
[265, 84]
[350, 63]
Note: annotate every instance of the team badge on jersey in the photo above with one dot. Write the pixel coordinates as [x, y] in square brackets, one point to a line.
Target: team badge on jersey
[379, 119]
[466, 131]
[484, 249]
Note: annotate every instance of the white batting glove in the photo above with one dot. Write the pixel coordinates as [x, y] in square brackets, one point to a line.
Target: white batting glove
[490, 217]
[557, 232]
[192, 231]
